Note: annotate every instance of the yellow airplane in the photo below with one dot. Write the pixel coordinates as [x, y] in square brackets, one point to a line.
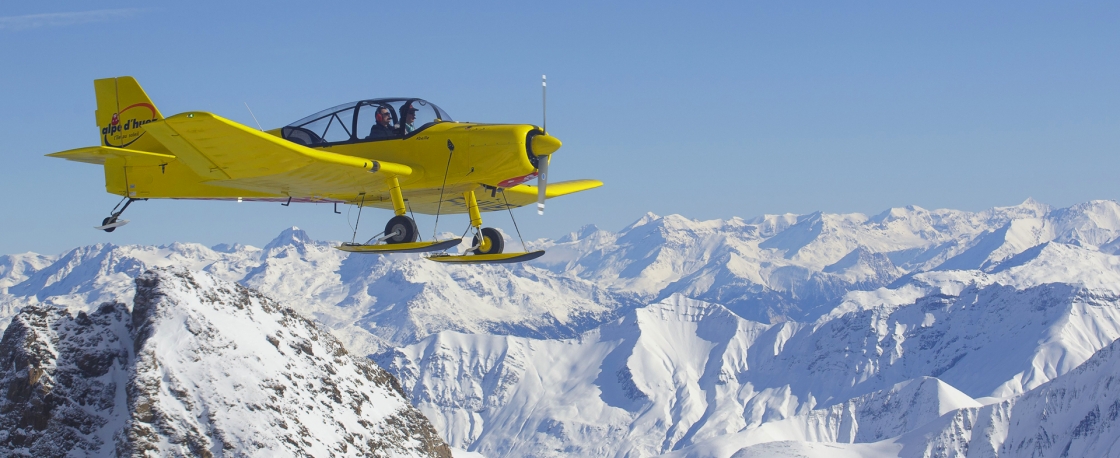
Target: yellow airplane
[404, 154]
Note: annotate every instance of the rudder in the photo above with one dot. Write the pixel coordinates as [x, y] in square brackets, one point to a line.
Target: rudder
[122, 109]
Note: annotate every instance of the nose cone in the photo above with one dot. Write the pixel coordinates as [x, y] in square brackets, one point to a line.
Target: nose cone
[544, 144]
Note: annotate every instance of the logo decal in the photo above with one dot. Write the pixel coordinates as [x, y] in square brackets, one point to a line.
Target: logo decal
[124, 128]
[509, 183]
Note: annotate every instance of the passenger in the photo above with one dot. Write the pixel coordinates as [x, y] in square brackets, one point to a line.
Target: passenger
[408, 116]
[384, 127]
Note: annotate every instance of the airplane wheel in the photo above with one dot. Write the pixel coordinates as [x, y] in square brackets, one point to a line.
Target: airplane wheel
[108, 220]
[406, 228]
[492, 242]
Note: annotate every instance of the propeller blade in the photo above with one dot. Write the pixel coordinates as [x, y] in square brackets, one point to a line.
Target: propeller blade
[542, 181]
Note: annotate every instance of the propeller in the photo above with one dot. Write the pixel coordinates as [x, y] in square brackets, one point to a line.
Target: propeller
[542, 181]
[542, 161]
[543, 145]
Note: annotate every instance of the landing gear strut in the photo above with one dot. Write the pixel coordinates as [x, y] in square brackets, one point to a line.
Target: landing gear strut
[113, 221]
[400, 228]
[488, 243]
[487, 240]
[400, 232]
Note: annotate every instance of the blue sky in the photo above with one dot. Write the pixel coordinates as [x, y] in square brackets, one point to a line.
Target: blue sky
[707, 110]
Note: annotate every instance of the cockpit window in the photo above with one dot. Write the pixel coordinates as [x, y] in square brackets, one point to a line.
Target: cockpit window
[335, 127]
[332, 125]
[375, 119]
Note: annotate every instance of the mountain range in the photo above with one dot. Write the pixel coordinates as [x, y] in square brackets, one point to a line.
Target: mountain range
[913, 332]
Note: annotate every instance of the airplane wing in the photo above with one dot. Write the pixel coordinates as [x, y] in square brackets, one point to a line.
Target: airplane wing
[525, 194]
[489, 199]
[229, 154]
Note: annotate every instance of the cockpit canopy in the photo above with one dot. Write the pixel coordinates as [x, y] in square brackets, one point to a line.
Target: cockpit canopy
[366, 120]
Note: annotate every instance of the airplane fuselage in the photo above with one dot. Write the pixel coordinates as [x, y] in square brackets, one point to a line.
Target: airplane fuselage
[491, 154]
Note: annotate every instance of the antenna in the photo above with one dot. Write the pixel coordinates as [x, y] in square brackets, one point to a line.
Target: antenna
[254, 116]
[544, 105]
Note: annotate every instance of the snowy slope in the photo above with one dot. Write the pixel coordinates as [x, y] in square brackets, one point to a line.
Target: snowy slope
[1075, 415]
[516, 396]
[201, 367]
[15, 268]
[682, 372]
[844, 427]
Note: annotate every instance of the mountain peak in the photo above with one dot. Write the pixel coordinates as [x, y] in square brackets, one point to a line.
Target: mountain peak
[1030, 208]
[583, 233]
[768, 225]
[293, 236]
[649, 217]
[230, 248]
[897, 213]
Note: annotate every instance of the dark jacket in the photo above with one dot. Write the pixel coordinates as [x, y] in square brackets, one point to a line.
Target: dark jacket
[379, 131]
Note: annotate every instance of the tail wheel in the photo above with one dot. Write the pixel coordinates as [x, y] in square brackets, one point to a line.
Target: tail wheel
[105, 222]
[405, 228]
[491, 243]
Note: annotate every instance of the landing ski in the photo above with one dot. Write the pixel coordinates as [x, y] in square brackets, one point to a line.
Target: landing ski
[412, 247]
[499, 258]
[112, 225]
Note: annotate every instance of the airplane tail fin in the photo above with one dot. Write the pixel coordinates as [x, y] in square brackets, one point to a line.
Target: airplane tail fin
[122, 108]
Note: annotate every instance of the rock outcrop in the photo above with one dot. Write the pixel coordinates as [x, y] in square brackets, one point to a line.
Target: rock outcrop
[198, 367]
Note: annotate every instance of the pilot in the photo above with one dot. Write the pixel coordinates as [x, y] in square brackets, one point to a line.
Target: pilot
[384, 127]
[408, 116]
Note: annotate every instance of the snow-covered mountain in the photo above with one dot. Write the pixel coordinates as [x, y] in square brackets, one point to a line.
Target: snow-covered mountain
[200, 367]
[1076, 414]
[811, 334]
[680, 373]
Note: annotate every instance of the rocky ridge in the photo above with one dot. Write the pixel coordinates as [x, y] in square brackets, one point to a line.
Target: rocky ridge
[198, 367]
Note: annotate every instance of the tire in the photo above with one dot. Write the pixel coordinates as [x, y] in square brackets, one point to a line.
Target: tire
[405, 225]
[497, 243]
[108, 220]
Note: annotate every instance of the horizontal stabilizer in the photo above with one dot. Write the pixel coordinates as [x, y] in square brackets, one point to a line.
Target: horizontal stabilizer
[98, 155]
